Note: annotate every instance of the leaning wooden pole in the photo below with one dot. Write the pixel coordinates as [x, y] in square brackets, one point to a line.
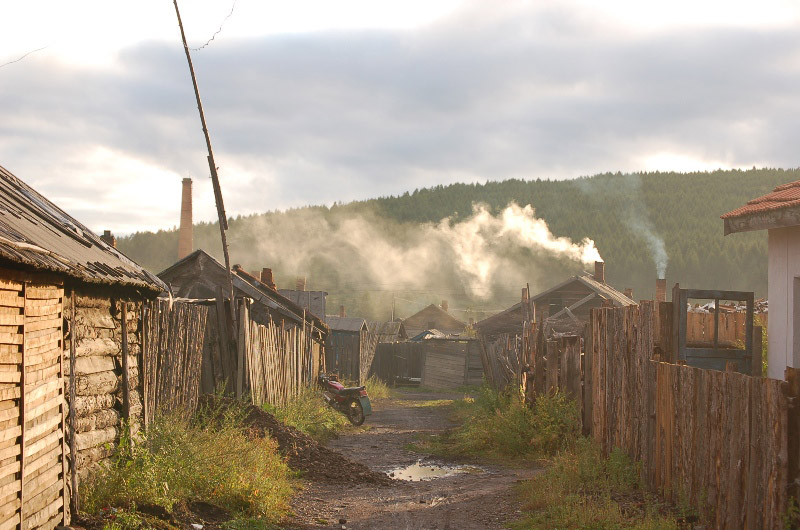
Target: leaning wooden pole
[223, 220]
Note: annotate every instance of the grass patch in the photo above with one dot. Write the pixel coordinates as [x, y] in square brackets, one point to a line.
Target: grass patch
[183, 460]
[584, 490]
[432, 403]
[309, 413]
[377, 389]
[499, 427]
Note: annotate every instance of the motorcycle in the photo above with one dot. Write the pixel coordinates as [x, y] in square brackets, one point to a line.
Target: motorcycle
[353, 402]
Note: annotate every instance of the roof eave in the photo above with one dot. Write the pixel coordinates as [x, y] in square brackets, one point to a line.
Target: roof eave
[778, 218]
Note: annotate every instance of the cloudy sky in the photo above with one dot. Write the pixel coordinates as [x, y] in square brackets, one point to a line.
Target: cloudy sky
[315, 101]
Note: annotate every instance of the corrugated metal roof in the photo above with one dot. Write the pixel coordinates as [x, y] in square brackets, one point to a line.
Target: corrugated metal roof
[784, 196]
[337, 323]
[36, 233]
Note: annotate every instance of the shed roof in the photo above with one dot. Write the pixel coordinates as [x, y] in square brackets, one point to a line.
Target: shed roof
[337, 323]
[779, 208]
[441, 319]
[387, 331]
[603, 289]
[39, 235]
[201, 274]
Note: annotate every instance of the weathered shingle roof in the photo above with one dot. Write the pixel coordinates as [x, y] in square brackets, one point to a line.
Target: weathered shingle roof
[784, 196]
[337, 323]
[36, 233]
[387, 331]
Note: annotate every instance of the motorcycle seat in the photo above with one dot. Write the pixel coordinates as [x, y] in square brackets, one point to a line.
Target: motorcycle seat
[351, 390]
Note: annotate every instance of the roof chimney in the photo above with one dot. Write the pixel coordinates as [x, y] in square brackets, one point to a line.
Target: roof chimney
[629, 293]
[185, 242]
[342, 312]
[109, 238]
[300, 283]
[661, 289]
[267, 279]
[600, 271]
[445, 305]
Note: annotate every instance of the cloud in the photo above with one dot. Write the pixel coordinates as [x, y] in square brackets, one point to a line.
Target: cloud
[484, 93]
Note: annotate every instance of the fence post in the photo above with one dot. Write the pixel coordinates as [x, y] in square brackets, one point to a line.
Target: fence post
[793, 432]
[588, 387]
[756, 359]
[552, 367]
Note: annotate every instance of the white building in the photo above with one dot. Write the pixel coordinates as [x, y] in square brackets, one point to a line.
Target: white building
[778, 213]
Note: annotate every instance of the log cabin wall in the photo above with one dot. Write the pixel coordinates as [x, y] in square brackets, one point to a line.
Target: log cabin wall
[99, 399]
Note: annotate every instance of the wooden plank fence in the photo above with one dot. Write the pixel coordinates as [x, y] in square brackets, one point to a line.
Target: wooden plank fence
[172, 355]
[726, 443]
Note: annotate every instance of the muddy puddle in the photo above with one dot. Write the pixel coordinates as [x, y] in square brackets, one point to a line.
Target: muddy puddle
[421, 471]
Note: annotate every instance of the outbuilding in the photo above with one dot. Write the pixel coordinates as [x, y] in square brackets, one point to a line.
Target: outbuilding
[778, 213]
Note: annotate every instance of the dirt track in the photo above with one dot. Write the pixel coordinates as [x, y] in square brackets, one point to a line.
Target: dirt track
[471, 500]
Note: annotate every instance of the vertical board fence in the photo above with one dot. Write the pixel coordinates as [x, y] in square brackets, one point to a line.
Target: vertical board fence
[717, 440]
[280, 362]
[173, 355]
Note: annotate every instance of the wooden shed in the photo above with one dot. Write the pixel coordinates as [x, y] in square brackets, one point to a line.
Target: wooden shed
[451, 363]
[433, 317]
[68, 300]
[350, 348]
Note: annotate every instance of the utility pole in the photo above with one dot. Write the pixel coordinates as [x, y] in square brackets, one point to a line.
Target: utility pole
[223, 220]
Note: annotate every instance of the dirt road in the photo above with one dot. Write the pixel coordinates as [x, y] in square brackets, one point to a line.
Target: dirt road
[482, 496]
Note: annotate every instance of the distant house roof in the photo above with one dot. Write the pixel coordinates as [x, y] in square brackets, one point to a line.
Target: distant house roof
[433, 334]
[433, 316]
[198, 275]
[510, 320]
[780, 208]
[337, 323]
[388, 331]
[39, 235]
[313, 301]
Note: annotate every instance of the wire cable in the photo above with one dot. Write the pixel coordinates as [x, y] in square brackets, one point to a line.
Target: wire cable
[224, 20]
[21, 58]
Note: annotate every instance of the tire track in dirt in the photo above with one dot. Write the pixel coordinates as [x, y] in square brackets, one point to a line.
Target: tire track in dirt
[464, 501]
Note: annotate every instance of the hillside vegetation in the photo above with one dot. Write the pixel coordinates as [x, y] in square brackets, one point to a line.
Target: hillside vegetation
[617, 211]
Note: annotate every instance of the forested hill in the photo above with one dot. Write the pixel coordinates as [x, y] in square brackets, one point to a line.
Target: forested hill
[617, 211]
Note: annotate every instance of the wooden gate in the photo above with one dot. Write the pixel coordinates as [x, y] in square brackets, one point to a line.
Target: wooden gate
[33, 462]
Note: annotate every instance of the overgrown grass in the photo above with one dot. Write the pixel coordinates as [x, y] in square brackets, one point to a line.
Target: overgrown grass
[499, 426]
[309, 413]
[377, 389]
[581, 489]
[207, 458]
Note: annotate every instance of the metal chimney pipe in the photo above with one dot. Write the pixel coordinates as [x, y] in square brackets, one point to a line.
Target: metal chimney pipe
[185, 237]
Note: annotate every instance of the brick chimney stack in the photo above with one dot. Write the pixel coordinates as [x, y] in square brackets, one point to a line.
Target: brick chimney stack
[445, 306]
[629, 293]
[267, 278]
[300, 283]
[600, 271]
[661, 289]
[185, 238]
[109, 238]
[342, 312]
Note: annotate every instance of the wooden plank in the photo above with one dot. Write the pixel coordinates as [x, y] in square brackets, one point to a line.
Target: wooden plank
[10, 285]
[11, 300]
[23, 420]
[45, 513]
[126, 384]
[42, 310]
[11, 522]
[42, 293]
[43, 390]
[34, 448]
[49, 338]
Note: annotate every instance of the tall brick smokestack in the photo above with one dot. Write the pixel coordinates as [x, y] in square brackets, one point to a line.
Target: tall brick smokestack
[600, 271]
[661, 289]
[185, 239]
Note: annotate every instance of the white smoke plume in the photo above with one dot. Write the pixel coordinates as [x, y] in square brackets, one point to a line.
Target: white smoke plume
[481, 255]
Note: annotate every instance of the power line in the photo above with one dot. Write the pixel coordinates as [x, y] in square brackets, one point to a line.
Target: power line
[233, 6]
[21, 58]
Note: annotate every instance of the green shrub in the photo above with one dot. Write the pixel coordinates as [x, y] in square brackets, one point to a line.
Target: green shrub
[182, 459]
[499, 425]
[309, 413]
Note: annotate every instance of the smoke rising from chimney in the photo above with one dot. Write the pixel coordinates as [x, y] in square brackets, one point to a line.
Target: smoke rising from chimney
[482, 255]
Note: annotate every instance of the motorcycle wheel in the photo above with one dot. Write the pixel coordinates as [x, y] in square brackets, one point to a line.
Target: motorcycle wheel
[355, 412]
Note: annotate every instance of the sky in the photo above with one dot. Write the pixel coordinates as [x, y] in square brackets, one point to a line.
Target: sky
[311, 102]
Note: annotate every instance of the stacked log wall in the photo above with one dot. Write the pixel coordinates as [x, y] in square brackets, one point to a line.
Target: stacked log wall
[98, 400]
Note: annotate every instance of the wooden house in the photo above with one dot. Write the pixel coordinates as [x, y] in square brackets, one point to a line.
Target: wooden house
[200, 276]
[434, 317]
[70, 314]
[778, 213]
[350, 348]
[450, 363]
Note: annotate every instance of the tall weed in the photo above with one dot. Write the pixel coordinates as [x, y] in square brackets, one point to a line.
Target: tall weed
[180, 460]
[309, 413]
